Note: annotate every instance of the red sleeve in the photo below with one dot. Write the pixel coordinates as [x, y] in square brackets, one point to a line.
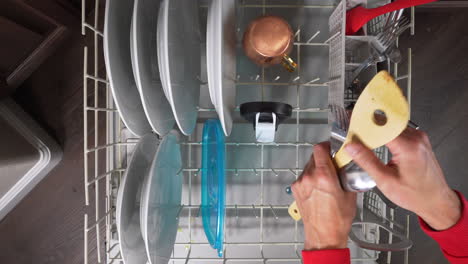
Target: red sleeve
[453, 241]
[328, 256]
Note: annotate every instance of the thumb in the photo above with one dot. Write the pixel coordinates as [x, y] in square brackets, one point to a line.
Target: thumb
[367, 160]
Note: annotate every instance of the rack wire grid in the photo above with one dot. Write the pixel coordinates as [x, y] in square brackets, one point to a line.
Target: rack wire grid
[258, 230]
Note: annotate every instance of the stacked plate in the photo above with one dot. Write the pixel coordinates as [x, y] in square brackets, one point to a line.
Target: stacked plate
[118, 17]
[148, 55]
[153, 59]
[152, 55]
[221, 59]
[132, 246]
[149, 200]
[143, 45]
[178, 33]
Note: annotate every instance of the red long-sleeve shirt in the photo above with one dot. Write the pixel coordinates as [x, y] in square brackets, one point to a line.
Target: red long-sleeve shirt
[453, 242]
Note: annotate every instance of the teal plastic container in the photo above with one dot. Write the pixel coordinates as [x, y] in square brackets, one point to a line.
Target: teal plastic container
[213, 183]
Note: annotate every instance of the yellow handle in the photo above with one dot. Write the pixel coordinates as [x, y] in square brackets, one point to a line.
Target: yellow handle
[288, 63]
[341, 159]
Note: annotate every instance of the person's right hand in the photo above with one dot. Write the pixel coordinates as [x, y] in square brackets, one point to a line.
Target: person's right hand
[413, 178]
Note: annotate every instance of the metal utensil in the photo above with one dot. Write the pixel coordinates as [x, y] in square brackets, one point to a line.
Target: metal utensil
[394, 55]
[370, 218]
[387, 37]
[375, 58]
[352, 177]
[382, 46]
[394, 16]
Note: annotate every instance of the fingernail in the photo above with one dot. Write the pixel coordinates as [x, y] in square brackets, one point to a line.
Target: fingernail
[352, 149]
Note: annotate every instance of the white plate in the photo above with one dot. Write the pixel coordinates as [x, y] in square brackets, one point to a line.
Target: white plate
[221, 59]
[210, 25]
[162, 201]
[179, 58]
[132, 246]
[145, 66]
[118, 17]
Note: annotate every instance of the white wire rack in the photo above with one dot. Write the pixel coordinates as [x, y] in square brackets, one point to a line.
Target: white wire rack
[258, 230]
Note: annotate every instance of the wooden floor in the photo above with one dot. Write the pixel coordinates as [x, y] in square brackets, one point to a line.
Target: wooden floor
[47, 226]
[439, 103]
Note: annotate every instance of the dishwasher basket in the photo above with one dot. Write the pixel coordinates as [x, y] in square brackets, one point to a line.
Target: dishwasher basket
[258, 227]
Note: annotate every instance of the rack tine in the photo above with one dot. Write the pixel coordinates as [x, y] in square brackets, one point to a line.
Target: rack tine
[313, 36]
[291, 170]
[236, 172]
[253, 210]
[255, 171]
[200, 80]
[314, 80]
[297, 254]
[237, 212]
[180, 171]
[178, 212]
[197, 172]
[188, 254]
[198, 212]
[273, 211]
[297, 33]
[273, 170]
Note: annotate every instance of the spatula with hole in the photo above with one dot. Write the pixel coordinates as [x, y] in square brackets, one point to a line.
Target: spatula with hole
[381, 113]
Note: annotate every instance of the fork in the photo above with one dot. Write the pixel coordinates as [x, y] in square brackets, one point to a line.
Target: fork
[389, 34]
[381, 46]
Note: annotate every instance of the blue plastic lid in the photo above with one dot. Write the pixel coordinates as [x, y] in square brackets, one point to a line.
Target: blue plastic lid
[213, 183]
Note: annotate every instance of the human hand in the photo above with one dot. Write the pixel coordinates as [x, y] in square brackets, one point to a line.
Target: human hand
[413, 178]
[327, 210]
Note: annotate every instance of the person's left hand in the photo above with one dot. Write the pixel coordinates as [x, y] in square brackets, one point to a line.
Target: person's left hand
[327, 210]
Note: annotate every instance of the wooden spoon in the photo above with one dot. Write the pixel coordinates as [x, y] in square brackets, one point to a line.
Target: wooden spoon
[381, 113]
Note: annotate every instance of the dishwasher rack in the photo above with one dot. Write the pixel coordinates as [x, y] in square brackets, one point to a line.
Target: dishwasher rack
[258, 229]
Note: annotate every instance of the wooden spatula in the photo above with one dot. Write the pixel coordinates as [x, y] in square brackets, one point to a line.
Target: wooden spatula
[381, 113]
